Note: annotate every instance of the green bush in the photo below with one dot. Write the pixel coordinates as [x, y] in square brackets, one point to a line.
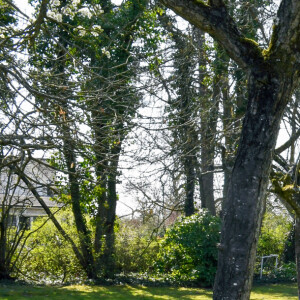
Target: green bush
[285, 273]
[274, 233]
[47, 257]
[188, 251]
[273, 238]
[136, 246]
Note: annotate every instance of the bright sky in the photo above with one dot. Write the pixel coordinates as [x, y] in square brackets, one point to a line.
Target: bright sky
[283, 135]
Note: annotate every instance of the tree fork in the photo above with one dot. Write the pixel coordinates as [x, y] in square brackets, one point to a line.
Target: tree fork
[273, 74]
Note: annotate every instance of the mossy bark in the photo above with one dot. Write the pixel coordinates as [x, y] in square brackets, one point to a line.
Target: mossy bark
[297, 251]
[272, 78]
[245, 200]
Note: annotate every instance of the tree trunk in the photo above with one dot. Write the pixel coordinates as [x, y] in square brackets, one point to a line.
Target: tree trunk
[4, 269]
[107, 156]
[209, 116]
[245, 201]
[107, 259]
[297, 250]
[100, 215]
[206, 179]
[83, 232]
[189, 206]
[274, 73]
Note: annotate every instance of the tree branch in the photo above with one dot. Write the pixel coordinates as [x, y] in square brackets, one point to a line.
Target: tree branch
[51, 216]
[40, 19]
[215, 20]
[284, 47]
[288, 143]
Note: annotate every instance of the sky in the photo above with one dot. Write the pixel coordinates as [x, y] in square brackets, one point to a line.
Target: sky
[126, 199]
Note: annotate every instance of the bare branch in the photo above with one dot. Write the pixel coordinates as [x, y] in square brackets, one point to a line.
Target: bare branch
[289, 143]
[216, 21]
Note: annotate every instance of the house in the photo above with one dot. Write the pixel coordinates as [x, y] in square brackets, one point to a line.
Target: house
[17, 201]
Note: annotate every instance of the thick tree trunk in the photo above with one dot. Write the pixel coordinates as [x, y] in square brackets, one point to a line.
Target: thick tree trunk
[107, 201]
[105, 235]
[274, 75]
[245, 201]
[209, 116]
[4, 270]
[100, 215]
[108, 263]
[102, 153]
[297, 250]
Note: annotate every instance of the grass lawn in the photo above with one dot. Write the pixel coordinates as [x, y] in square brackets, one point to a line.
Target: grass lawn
[76, 292]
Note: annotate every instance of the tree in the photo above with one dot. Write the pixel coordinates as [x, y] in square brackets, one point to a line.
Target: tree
[192, 111]
[272, 77]
[105, 101]
[70, 83]
[285, 176]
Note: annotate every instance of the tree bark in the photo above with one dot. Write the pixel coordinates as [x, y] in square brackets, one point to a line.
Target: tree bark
[107, 259]
[297, 250]
[4, 269]
[107, 159]
[189, 206]
[245, 201]
[273, 74]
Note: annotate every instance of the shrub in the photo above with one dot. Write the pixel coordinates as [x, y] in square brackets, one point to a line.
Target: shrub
[285, 273]
[273, 238]
[136, 246]
[188, 251]
[274, 233]
[47, 257]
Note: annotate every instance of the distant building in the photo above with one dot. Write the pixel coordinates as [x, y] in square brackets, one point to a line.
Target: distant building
[15, 198]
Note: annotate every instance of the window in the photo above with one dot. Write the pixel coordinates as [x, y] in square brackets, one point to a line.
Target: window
[24, 223]
[12, 221]
[49, 191]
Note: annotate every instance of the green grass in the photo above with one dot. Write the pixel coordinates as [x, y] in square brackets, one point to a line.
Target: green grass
[76, 292]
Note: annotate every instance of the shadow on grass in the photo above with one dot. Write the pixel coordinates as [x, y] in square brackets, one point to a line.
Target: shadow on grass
[20, 292]
[126, 292]
[280, 291]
